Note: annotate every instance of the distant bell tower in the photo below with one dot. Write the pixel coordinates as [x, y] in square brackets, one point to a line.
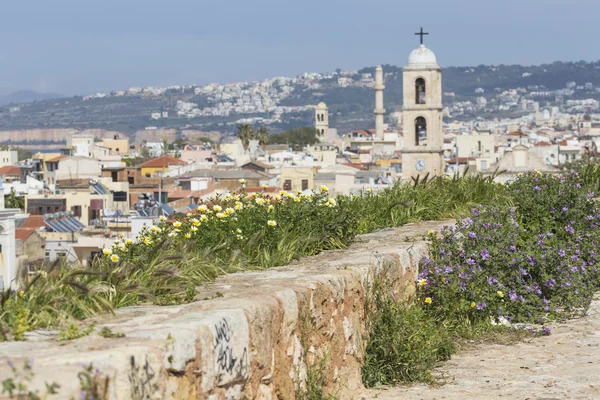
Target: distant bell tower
[321, 121]
[422, 115]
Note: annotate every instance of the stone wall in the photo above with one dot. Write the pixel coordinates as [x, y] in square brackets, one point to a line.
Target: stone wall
[255, 335]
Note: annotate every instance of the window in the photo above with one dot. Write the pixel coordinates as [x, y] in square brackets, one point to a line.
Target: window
[131, 180]
[483, 164]
[76, 211]
[420, 132]
[420, 91]
[148, 175]
[287, 185]
[479, 145]
[61, 254]
[304, 184]
[115, 176]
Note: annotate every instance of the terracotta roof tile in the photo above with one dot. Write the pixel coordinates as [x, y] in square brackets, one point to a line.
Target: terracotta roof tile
[34, 221]
[162, 162]
[10, 170]
[23, 234]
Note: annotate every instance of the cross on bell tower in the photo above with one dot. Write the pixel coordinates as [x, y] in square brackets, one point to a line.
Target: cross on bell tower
[422, 34]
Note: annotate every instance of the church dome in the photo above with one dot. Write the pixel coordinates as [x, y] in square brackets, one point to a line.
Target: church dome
[422, 57]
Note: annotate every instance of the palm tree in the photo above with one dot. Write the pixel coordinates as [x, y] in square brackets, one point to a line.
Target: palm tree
[263, 136]
[245, 133]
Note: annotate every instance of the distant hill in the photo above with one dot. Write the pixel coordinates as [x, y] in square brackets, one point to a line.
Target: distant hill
[349, 97]
[26, 96]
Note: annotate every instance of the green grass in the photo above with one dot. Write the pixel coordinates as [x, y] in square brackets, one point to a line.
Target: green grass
[167, 266]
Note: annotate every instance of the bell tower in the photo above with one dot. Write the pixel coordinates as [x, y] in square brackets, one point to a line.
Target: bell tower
[423, 149]
[321, 121]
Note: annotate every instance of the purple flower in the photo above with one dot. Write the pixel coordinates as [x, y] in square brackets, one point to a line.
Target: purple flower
[561, 253]
[546, 331]
[463, 286]
[485, 254]
[470, 261]
[472, 235]
[570, 229]
[512, 248]
[480, 306]
[537, 188]
[550, 283]
[512, 295]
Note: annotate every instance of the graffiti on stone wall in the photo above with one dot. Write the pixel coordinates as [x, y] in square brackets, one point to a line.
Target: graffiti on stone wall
[141, 378]
[232, 361]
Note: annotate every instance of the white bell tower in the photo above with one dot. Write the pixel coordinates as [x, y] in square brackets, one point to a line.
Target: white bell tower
[423, 149]
[321, 121]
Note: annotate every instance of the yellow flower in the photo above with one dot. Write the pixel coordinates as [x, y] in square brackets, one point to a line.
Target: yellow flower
[283, 193]
[296, 199]
[121, 235]
[431, 233]
[265, 187]
[278, 197]
[270, 208]
[332, 202]
[177, 224]
[500, 183]
[217, 208]
[188, 235]
[153, 228]
[229, 210]
[162, 218]
[107, 252]
[260, 201]
[122, 246]
[423, 282]
[194, 229]
[238, 230]
[220, 215]
[189, 214]
[171, 234]
[195, 221]
[44, 274]
[203, 218]
[290, 196]
[443, 279]
[114, 258]
[272, 223]
[238, 206]
[239, 237]
[236, 197]
[500, 294]
[202, 208]
[242, 181]
[473, 304]
[428, 300]
[128, 241]
[324, 188]
[369, 190]
[147, 241]
[21, 293]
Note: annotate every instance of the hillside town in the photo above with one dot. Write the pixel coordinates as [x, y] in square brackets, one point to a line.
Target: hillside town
[73, 202]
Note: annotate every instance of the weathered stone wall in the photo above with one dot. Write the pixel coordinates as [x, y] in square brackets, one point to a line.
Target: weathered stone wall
[256, 336]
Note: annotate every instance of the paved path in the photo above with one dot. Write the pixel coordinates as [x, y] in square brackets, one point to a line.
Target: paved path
[564, 365]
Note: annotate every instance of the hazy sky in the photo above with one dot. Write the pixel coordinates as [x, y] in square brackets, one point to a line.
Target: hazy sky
[83, 46]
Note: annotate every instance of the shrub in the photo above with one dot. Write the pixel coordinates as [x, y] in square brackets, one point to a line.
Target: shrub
[527, 263]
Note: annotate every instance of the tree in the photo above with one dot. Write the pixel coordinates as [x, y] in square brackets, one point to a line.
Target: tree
[296, 138]
[245, 134]
[263, 136]
[12, 201]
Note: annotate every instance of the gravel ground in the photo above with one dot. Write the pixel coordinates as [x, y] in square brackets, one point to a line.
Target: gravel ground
[564, 365]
